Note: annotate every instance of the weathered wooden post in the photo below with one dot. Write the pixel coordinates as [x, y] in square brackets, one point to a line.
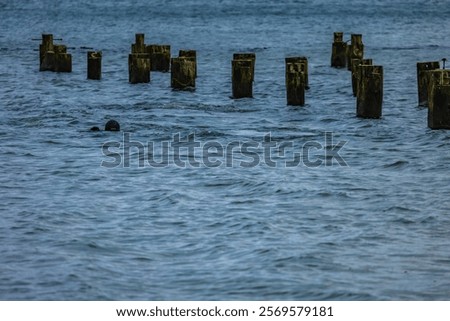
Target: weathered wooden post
[422, 80]
[355, 50]
[63, 60]
[356, 62]
[182, 73]
[139, 46]
[139, 61]
[48, 61]
[436, 78]
[439, 109]
[303, 61]
[295, 84]
[192, 55]
[44, 47]
[159, 57]
[242, 78]
[94, 65]
[247, 56]
[370, 92]
[139, 68]
[339, 51]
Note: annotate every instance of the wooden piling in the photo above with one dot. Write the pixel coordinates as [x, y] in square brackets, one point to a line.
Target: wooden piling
[370, 92]
[48, 61]
[439, 109]
[44, 47]
[242, 78]
[422, 80]
[191, 55]
[63, 60]
[356, 62]
[159, 57]
[139, 46]
[53, 57]
[355, 50]
[139, 68]
[247, 56]
[182, 76]
[303, 61]
[295, 84]
[94, 65]
[435, 78]
[339, 51]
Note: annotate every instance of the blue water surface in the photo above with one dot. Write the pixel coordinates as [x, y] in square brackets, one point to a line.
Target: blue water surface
[374, 228]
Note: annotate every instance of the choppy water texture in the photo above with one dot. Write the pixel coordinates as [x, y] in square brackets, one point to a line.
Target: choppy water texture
[70, 229]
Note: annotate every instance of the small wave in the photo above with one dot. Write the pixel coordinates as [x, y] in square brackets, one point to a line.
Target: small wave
[404, 220]
[329, 120]
[401, 48]
[401, 209]
[397, 164]
[428, 219]
[209, 134]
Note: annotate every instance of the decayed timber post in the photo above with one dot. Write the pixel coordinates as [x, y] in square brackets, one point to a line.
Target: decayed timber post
[139, 62]
[355, 50]
[369, 100]
[242, 78]
[339, 51]
[182, 76]
[295, 84]
[422, 80]
[303, 61]
[94, 65]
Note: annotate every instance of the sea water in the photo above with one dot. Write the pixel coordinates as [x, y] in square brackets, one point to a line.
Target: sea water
[361, 214]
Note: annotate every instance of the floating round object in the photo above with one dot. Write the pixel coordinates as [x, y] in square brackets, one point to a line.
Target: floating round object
[95, 129]
[112, 125]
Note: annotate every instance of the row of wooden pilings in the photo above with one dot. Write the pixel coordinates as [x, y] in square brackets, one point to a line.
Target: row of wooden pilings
[146, 58]
[367, 79]
[433, 86]
[433, 83]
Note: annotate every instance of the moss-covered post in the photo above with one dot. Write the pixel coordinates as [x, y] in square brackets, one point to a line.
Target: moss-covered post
[48, 61]
[54, 57]
[182, 74]
[63, 60]
[356, 62]
[139, 46]
[339, 51]
[439, 110]
[435, 78]
[44, 47]
[139, 68]
[355, 50]
[191, 55]
[242, 78]
[295, 84]
[159, 57]
[303, 61]
[247, 56]
[94, 65]
[370, 92]
[422, 80]
[138, 61]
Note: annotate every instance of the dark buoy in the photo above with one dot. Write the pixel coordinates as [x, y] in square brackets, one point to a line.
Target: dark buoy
[112, 125]
[95, 129]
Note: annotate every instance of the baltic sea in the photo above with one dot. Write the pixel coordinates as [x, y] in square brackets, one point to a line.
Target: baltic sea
[377, 228]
